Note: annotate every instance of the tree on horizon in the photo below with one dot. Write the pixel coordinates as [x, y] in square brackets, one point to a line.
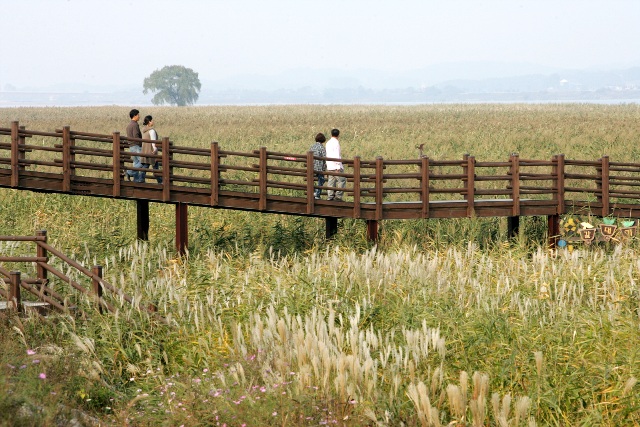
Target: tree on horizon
[173, 85]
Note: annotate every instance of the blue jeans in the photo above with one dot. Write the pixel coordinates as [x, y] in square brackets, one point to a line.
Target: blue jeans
[136, 164]
[156, 165]
[318, 191]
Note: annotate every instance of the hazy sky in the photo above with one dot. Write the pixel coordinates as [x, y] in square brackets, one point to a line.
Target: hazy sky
[46, 42]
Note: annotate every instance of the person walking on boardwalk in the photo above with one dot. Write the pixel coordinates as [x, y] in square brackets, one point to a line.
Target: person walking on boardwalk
[133, 131]
[319, 165]
[148, 132]
[333, 151]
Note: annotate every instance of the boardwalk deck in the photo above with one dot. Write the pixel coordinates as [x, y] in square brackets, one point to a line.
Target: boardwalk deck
[94, 165]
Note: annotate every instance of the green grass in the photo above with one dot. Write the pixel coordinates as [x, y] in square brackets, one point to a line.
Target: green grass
[444, 321]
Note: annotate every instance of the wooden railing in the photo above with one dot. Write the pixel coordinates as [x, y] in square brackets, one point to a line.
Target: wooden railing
[82, 163]
[39, 286]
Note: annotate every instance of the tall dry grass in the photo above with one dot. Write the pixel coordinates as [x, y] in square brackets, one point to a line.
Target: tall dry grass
[269, 324]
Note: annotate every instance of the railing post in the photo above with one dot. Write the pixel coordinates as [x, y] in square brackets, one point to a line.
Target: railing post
[379, 184]
[515, 183]
[513, 222]
[166, 170]
[310, 183]
[66, 158]
[22, 155]
[262, 202]
[14, 301]
[424, 185]
[41, 252]
[558, 182]
[604, 185]
[470, 188]
[117, 164]
[356, 187]
[15, 154]
[97, 287]
[215, 173]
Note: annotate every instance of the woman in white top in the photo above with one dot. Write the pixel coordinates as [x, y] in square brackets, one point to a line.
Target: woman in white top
[149, 148]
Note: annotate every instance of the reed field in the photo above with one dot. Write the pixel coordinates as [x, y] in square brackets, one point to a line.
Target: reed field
[265, 322]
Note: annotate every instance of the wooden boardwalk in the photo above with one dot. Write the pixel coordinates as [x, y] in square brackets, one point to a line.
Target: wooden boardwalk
[94, 165]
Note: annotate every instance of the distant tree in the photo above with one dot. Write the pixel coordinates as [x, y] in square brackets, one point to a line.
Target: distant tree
[174, 85]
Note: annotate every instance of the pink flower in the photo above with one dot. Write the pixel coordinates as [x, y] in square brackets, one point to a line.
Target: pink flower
[42, 376]
[31, 352]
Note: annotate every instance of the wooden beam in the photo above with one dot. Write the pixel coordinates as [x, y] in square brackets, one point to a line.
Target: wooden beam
[331, 226]
[513, 226]
[182, 230]
[262, 202]
[372, 230]
[66, 159]
[142, 213]
[15, 168]
[215, 173]
[41, 252]
[356, 187]
[117, 164]
[424, 185]
[14, 300]
[553, 227]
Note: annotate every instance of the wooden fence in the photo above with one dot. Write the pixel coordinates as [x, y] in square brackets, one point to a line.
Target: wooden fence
[66, 161]
[39, 286]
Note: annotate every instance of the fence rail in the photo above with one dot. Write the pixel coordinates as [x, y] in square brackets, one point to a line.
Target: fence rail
[90, 164]
[40, 287]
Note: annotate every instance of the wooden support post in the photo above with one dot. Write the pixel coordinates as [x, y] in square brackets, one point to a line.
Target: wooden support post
[118, 172]
[424, 186]
[15, 154]
[14, 302]
[41, 252]
[331, 225]
[604, 185]
[182, 229]
[513, 226]
[262, 202]
[215, 173]
[66, 159]
[553, 227]
[356, 187]
[372, 230]
[96, 286]
[311, 179]
[142, 211]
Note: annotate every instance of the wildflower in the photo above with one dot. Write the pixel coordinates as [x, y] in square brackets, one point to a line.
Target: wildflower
[42, 376]
[274, 413]
[31, 352]
[205, 370]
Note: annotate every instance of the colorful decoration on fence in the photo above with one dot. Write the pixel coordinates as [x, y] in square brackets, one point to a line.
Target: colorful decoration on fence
[574, 230]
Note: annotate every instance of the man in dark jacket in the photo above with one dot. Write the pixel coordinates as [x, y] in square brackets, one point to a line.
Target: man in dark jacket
[133, 131]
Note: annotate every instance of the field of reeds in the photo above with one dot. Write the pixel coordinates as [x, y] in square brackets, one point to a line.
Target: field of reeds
[443, 322]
